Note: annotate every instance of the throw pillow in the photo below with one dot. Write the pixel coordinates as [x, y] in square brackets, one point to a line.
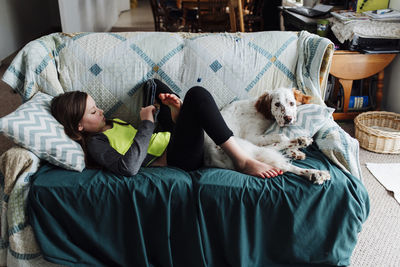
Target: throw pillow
[310, 118]
[33, 127]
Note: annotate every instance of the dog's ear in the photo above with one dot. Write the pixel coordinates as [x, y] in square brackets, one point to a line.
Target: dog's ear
[263, 105]
[306, 99]
[301, 98]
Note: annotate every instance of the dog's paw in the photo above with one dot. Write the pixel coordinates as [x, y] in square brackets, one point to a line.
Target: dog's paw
[303, 141]
[319, 177]
[296, 154]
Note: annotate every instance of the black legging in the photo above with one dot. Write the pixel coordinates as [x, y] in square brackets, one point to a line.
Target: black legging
[198, 113]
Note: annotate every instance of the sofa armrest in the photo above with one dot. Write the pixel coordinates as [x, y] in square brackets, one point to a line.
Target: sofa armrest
[16, 166]
[34, 68]
[325, 68]
[314, 62]
[13, 163]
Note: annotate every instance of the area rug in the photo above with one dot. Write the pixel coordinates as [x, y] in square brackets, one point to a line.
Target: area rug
[388, 174]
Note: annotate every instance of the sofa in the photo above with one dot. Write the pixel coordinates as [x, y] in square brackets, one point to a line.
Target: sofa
[55, 211]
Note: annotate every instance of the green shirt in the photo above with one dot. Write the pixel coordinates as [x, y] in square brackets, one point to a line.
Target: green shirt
[122, 136]
[124, 149]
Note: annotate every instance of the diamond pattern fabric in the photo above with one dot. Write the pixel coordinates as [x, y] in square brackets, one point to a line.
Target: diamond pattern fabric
[113, 66]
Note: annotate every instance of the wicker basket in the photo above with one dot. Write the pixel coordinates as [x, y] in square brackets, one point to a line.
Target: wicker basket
[378, 131]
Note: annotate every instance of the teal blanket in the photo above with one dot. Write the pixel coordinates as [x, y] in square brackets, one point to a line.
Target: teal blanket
[210, 217]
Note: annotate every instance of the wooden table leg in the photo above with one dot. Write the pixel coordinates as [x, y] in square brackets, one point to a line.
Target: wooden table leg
[379, 90]
[347, 86]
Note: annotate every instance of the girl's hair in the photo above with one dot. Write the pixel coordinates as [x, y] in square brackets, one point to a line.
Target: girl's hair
[68, 109]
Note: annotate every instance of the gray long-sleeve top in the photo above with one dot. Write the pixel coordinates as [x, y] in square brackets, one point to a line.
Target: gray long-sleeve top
[129, 164]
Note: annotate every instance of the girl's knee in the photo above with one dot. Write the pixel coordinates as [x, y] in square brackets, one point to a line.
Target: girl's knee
[158, 82]
[197, 93]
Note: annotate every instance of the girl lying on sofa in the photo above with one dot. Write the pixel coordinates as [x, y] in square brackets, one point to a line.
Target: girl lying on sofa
[122, 149]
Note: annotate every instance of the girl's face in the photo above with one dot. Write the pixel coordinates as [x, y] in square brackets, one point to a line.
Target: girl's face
[93, 120]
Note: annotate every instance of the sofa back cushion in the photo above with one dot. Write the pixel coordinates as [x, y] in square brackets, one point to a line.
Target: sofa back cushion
[111, 67]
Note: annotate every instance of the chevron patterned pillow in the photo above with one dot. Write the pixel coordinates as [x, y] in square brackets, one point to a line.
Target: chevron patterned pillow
[33, 127]
[310, 118]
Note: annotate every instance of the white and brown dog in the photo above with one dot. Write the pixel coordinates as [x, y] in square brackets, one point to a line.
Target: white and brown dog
[249, 119]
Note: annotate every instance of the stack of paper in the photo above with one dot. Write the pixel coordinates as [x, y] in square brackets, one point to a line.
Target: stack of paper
[346, 16]
[383, 14]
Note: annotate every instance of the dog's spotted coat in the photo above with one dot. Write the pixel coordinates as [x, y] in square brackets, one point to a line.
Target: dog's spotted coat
[249, 119]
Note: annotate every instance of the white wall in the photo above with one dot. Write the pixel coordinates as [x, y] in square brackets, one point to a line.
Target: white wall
[24, 20]
[90, 15]
[391, 97]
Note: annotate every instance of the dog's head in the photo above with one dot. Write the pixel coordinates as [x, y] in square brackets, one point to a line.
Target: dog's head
[281, 105]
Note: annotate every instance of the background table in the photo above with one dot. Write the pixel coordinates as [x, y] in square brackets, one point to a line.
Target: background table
[348, 66]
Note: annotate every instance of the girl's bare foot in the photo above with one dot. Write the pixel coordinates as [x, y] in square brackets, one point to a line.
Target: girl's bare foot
[246, 164]
[257, 168]
[173, 102]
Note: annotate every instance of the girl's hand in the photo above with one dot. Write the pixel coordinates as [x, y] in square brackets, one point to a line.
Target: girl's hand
[147, 113]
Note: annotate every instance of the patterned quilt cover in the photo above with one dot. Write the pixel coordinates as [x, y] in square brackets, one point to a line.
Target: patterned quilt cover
[112, 67]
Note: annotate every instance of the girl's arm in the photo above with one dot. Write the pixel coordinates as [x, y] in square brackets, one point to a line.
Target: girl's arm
[129, 164]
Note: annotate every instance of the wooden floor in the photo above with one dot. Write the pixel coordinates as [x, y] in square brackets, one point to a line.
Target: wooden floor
[136, 19]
